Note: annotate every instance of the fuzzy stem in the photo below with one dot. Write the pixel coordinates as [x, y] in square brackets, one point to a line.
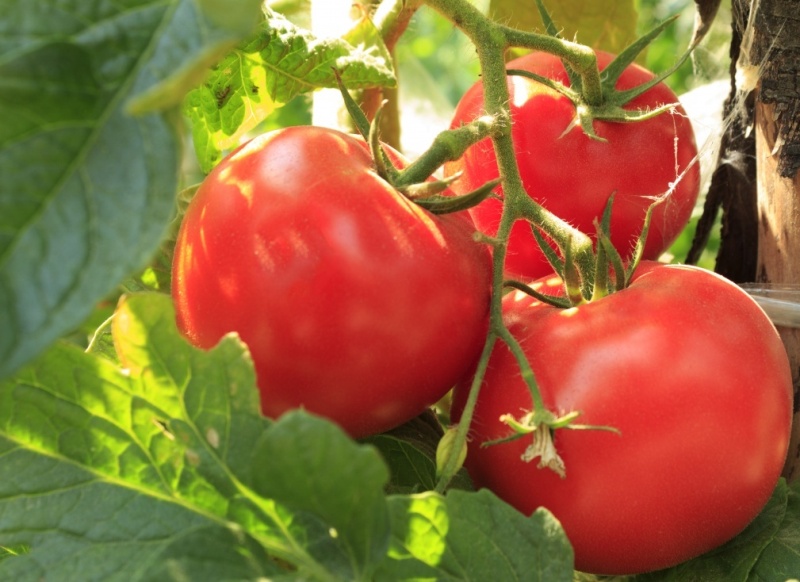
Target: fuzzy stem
[391, 18]
[491, 41]
[451, 464]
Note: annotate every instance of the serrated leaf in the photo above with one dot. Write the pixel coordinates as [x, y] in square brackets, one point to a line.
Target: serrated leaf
[602, 24]
[132, 473]
[474, 537]
[279, 63]
[88, 481]
[86, 190]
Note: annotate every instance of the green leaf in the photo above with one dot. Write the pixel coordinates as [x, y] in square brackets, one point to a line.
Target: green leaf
[265, 72]
[602, 24]
[332, 484]
[89, 481]
[86, 190]
[131, 473]
[196, 35]
[474, 536]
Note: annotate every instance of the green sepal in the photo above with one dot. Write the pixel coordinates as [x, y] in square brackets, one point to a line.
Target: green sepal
[552, 256]
[572, 277]
[554, 300]
[615, 259]
[552, 30]
[383, 165]
[438, 204]
[611, 108]
[638, 250]
[356, 113]
[607, 256]
[611, 74]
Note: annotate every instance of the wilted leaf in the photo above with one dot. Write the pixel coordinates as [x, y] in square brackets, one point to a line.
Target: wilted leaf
[602, 24]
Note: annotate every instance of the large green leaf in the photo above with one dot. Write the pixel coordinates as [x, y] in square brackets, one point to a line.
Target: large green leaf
[93, 484]
[86, 189]
[602, 24]
[110, 473]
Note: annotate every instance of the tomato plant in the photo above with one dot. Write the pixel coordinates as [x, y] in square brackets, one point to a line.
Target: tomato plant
[693, 376]
[128, 453]
[355, 303]
[572, 174]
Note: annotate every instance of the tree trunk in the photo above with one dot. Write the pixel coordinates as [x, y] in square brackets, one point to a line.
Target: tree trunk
[776, 50]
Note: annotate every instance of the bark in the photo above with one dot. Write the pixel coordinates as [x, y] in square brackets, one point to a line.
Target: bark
[776, 49]
[733, 184]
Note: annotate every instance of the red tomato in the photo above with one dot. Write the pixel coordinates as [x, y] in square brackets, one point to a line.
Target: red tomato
[573, 175]
[356, 304]
[694, 376]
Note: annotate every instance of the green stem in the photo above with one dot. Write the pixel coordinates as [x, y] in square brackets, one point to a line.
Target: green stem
[391, 18]
[451, 464]
[491, 40]
[581, 58]
[539, 410]
[448, 145]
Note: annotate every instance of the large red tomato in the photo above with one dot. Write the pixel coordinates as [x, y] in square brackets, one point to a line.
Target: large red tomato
[356, 304]
[695, 378]
[573, 175]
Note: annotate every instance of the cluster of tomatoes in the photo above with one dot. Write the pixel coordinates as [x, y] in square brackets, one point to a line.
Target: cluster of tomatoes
[360, 306]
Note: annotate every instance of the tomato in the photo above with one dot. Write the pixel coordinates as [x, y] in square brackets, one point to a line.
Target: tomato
[355, 303]
[573, 175]
[696, 380]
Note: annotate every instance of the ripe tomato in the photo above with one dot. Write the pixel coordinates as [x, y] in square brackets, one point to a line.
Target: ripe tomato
[355, 303]
[573, 175]
[695, 378]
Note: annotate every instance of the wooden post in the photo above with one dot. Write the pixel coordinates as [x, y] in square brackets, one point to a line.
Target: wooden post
[776, 52]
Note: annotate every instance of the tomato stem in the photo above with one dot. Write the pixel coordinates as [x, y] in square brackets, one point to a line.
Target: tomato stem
[453, 459]
[391, 18]
[491, 41]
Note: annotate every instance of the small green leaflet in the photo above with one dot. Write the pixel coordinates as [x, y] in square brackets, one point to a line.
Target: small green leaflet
[280, 62]
[161, 468]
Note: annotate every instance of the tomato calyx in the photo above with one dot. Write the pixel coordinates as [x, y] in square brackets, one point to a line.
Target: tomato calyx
[610, 104]
[414, 181]
[611, 273]
[542, 426]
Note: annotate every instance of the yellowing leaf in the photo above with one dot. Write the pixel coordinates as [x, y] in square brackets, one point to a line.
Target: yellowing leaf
[602, 24]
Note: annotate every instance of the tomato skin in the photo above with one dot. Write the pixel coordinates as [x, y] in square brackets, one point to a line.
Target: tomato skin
[694, 376]
[573, 175]
[356, 304]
